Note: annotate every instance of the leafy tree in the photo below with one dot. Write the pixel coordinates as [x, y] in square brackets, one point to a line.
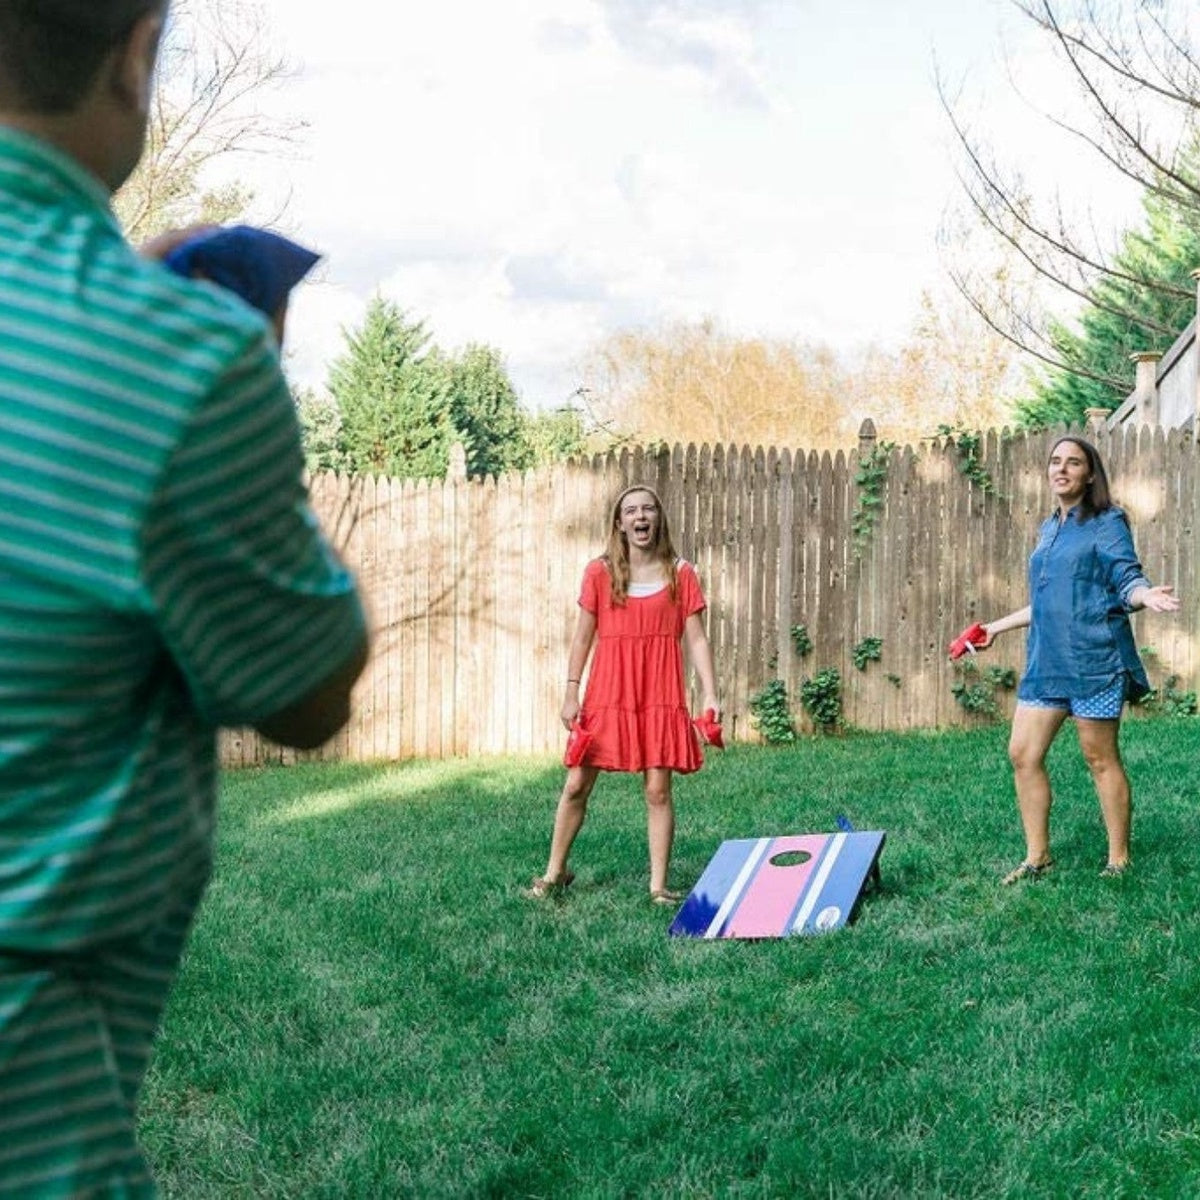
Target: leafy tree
[556, 434]
[498, 432]
[398, 403]
[393, 398]
[321, 430]
[696, 382]
[948, 371]
[486, 413]
[1121, 317]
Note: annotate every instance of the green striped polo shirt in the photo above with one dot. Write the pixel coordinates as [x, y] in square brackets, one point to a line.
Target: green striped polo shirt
[161, 573]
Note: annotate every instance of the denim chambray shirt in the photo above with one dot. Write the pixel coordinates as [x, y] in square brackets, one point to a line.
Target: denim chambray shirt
[1080, 578]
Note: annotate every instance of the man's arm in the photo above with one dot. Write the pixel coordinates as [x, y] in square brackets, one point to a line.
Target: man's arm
[315, 718]
[255, 607]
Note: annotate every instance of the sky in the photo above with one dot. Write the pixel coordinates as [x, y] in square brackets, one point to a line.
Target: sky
[540, 174]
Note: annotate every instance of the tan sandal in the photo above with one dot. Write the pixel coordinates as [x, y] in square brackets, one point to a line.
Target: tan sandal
[1027, 870]
[541, 888]
[665, 896]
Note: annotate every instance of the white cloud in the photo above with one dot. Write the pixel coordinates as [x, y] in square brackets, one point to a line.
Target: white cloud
[538, 175]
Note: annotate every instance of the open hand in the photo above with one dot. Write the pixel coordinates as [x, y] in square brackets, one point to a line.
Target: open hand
[1159, 599]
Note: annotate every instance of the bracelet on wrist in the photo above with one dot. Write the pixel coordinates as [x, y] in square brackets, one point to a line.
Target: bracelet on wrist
[572, 680]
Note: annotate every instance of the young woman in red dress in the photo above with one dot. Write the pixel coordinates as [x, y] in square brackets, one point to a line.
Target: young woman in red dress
[638, 606]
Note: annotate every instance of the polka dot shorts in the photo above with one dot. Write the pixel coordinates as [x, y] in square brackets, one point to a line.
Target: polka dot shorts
[1103, 706]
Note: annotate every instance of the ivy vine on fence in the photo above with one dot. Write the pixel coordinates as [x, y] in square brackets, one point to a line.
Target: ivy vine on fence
[870, 478]
[801, 642]
[976, 690]
[967, 444]
[822, 699]
[771, 713]
[820, 694]
[869, 650]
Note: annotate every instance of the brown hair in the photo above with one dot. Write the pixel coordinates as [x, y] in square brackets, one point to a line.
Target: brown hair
[616, 554]
[1097, 497]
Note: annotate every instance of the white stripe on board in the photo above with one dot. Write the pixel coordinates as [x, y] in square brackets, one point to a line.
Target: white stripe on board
[739, 886]
[819, 880]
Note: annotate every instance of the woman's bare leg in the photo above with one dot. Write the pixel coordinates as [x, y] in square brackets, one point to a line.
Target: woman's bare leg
[568, 818]
[1033, 729]
[660, 824]
[1098, 741]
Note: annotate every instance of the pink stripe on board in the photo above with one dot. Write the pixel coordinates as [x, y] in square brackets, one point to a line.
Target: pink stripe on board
[774, 892]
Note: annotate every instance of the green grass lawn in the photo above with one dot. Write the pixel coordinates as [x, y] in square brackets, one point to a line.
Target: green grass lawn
[370, 1008]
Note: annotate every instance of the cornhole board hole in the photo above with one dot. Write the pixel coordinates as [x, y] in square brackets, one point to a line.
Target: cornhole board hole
[777, 887]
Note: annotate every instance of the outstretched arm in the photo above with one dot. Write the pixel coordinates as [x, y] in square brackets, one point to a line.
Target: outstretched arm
[700, 653]
[1114, 544]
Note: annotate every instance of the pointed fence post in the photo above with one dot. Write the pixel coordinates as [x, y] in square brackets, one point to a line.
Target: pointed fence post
[866, 437]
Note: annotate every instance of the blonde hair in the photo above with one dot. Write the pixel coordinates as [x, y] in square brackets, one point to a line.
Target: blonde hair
[616, 554]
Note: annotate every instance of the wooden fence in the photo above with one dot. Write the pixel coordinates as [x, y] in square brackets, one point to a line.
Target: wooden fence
[471, 585]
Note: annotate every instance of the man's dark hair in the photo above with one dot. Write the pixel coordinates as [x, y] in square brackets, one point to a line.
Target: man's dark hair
[50, 50]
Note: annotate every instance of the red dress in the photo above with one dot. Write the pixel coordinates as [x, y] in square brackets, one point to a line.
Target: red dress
[635, 705]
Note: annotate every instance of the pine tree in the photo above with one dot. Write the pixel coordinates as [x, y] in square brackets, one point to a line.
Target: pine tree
[393, 397]
[399, 403]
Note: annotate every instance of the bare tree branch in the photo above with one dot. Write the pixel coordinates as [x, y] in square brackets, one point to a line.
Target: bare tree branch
[1136, 77]
[1002, 194]
[984, 313]
[1110, 118]
[217, 67]
[1118, 61]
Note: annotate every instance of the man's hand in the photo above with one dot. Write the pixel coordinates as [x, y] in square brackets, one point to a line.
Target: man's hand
[159, 246]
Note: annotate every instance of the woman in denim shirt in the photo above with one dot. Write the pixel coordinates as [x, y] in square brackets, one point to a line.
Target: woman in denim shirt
[1081, 659]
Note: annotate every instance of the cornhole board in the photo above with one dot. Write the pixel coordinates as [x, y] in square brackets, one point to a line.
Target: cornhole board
[777, 887]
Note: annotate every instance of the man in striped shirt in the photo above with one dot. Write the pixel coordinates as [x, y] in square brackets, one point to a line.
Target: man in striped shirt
[161, 575]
